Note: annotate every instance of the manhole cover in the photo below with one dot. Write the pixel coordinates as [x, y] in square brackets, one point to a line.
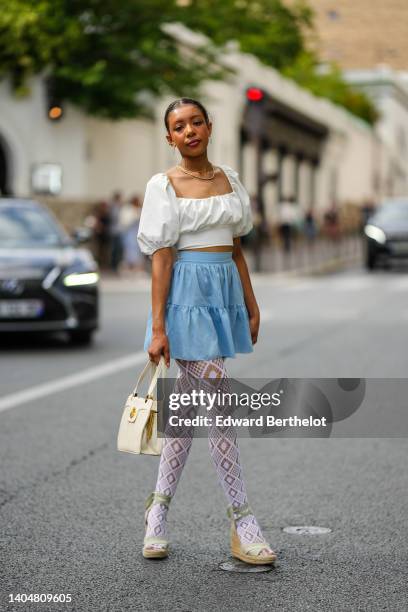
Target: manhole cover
[306, 530]
[348, 384]
[244, 568]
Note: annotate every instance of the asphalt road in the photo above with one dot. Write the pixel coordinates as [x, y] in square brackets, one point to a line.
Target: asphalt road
[71, 505]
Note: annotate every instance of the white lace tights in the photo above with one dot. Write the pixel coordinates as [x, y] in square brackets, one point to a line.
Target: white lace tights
[223, 449]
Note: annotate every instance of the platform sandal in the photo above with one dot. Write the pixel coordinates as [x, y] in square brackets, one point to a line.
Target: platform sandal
[249, 553]
[163, 551]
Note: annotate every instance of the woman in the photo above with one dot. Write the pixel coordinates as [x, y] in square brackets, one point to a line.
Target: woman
[203, 310]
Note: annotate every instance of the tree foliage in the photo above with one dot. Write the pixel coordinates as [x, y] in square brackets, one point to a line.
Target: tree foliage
[103, 55]
[110, 57]
[266, 28]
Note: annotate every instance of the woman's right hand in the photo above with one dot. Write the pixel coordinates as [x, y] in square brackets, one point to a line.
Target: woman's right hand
[159, 346]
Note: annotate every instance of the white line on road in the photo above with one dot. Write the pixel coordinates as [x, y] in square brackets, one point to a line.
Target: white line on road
[73, 380]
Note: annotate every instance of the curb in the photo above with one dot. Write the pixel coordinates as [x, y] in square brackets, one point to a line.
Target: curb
[331, 265]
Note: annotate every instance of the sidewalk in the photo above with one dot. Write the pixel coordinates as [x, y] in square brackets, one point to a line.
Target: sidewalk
[323, 258]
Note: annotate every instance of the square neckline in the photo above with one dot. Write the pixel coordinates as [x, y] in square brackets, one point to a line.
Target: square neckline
[218, 195]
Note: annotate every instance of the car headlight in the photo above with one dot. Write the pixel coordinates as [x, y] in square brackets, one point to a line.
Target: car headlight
[77, 279]
[375, 233]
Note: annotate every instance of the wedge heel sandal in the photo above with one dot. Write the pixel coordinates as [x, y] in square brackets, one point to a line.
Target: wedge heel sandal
[249, 553]
[163, 550]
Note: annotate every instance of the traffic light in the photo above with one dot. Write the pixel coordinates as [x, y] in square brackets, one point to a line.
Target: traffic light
[255, 110]
[255, 94]
[54, 106]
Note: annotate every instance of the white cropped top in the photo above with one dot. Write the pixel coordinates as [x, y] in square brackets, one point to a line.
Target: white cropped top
[168, 220]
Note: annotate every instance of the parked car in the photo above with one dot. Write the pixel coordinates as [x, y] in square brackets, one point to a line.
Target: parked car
[48, 283]
[386, 232]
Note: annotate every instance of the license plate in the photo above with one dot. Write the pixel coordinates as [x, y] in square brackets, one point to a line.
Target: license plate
[18, 309]
[400, 248]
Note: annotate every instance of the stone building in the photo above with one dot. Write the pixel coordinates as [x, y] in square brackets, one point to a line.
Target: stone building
[368, 39]
[360, 34]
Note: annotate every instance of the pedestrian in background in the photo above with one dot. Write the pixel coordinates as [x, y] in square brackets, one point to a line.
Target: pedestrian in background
[102, 234]
[251, 240]
[332, 223]
[115, 206]
[367, 210]
[287, 219]
[129, 218]
[309, 227]
[332, 228]
[258, 236]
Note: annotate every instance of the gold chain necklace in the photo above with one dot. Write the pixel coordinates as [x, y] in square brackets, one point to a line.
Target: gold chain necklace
[202, 178]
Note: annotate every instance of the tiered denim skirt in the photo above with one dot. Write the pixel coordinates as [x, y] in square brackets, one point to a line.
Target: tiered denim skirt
[206, 315]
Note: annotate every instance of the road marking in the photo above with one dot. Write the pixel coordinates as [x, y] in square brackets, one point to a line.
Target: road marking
[73, 380]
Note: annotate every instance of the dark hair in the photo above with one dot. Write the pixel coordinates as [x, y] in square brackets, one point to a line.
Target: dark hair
[180, 102]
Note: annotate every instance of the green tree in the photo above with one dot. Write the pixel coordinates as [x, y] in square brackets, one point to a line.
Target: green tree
[104, 56]
[266, 28]
[110, 57]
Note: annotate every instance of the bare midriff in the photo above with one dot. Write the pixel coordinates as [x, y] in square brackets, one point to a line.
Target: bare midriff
[217, 249]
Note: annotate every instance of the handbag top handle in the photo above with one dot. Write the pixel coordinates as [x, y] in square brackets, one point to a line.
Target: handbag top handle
[154, 368]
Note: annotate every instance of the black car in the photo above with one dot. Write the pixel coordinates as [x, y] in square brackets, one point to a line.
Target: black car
[47, 282]
[386, 233]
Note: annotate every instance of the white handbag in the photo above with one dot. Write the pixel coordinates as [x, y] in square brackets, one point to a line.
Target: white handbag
[138, 427]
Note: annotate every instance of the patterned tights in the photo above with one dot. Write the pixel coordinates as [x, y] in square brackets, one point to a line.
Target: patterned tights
[223, 449]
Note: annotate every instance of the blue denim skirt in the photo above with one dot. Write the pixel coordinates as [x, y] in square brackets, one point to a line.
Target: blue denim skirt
[206, 315]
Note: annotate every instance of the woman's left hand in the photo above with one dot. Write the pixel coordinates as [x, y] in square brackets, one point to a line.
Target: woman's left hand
[254, 321]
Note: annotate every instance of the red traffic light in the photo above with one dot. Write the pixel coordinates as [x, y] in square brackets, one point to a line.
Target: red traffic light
[254, 94]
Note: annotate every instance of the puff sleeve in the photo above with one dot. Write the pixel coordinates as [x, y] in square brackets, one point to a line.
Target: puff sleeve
[245, 224]
[159, 220]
